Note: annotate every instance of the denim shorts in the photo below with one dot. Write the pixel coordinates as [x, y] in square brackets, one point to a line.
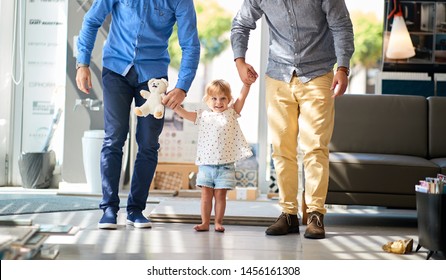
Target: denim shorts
[216, 176]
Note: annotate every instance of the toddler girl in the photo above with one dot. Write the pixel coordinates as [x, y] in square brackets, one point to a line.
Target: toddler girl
[220, 144]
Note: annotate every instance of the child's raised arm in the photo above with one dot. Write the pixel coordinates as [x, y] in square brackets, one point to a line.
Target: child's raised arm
[191, 116]
[240, 102]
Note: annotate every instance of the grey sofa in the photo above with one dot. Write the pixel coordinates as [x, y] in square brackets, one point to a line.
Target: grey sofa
[437, 131]
[382, 145]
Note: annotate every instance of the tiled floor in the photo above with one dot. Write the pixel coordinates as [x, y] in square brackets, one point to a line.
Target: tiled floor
[352, 234]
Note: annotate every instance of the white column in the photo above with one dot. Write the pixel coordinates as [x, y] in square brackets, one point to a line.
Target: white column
[264, 157]
[6, 71]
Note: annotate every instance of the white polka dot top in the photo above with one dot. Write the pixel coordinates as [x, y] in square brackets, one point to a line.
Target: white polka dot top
[220, 139]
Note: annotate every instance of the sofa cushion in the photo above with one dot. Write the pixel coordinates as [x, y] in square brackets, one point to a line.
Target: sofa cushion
[437, 126]
[378, 173]
[382, 124]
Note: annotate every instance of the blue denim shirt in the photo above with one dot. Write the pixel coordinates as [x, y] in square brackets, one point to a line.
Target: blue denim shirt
[306, 36]
[139, 35]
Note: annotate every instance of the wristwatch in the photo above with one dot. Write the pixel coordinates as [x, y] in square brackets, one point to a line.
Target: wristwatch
[79, 65]
[344, 69]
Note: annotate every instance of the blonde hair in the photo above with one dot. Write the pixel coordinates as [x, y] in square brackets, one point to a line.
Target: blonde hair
[217, 87]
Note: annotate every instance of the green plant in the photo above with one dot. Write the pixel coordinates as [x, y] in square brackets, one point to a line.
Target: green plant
[368, 32]
[214, 23]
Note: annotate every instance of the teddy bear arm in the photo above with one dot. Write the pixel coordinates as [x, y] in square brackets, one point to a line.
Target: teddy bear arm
[144, 93]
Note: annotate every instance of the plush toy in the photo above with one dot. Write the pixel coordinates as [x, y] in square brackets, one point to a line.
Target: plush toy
[153, 105]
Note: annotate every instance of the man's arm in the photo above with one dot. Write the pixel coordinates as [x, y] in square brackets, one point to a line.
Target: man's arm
[92, 21]
[341, 27]
[190, 46]
[243, 23]
[189, 42]
[247, 73]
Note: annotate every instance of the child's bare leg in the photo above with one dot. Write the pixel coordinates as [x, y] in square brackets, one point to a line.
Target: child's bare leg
[220, 207]
[207, 195]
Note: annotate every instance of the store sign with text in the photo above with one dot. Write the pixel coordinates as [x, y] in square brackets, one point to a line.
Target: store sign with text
[45, 33]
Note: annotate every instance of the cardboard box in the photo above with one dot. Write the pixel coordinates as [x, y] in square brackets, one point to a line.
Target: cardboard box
[173, 176]
[239, 193]
[167, 180]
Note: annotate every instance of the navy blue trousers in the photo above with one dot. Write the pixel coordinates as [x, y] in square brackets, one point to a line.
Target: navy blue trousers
[119, 93]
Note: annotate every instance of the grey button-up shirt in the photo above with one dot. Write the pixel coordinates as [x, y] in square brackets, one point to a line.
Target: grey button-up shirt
[305, 36]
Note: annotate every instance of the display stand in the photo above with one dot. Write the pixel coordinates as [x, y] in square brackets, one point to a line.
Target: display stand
[431, 213]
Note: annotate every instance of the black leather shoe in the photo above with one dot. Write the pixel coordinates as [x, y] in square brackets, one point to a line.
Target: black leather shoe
[286, 223]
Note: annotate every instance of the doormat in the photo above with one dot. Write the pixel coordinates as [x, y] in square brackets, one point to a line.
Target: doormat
[14, 204]
[187, 210]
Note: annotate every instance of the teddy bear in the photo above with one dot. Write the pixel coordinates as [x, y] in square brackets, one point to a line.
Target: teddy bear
[153, 105]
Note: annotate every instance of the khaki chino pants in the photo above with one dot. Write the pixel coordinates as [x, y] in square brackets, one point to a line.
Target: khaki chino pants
[305, 110]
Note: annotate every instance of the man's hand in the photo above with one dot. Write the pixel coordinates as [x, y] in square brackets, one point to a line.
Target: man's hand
[340, 83]
[174, 98]
[83, 79]
[246, 72]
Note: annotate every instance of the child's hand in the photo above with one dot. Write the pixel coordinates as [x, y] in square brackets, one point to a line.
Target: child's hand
[252, 76]
[247, 73]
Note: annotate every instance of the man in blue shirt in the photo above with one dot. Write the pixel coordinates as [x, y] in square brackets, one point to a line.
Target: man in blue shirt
[306, 39]
[136, 50]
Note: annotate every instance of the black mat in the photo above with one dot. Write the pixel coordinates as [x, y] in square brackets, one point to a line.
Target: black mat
[15, 204]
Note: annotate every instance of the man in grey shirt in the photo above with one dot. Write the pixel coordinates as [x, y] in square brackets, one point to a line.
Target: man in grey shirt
[307, 39]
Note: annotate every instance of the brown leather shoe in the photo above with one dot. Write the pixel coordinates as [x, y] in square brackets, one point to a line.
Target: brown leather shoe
[286, 223]
[315, 226]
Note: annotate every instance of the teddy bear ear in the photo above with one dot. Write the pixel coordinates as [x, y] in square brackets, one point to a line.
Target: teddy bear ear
[165, 81]
[151, 80]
